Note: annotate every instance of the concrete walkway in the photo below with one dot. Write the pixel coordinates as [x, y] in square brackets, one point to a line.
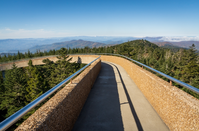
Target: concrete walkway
[115, 104]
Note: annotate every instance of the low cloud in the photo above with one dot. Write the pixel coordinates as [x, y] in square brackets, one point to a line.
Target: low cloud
[178, 39]
[22, 33]
[8, 33]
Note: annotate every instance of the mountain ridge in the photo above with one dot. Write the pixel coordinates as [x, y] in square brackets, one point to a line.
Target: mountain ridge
[22, 45]
[67, 44]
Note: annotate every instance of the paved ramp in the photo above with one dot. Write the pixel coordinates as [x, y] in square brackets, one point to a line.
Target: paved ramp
[115, 104]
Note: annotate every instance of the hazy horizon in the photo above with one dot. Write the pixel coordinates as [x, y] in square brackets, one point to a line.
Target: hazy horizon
[163, 38]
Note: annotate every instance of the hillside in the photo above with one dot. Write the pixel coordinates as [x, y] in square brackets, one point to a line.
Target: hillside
[186, 44]
[177, 45]
[168, 45]
[13, 45]
[67, 44]
[130, 48]
[160, 44]
[139, 43]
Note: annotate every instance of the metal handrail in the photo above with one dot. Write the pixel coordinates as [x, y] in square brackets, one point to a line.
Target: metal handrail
[16, 116]
[194, 89]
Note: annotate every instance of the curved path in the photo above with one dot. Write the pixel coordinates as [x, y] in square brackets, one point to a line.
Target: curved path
[115, 104]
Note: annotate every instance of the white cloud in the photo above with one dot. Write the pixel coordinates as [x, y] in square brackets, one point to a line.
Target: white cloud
[22, 33]
[42, 33]
[7, 29]
[182, 38]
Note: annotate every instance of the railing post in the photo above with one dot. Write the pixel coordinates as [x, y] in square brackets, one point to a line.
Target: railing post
[170, 83]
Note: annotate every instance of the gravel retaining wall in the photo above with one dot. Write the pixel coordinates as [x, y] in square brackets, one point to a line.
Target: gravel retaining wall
[62, 110]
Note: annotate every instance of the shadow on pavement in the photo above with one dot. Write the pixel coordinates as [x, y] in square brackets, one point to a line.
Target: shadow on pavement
[138, 124]
[101, 111]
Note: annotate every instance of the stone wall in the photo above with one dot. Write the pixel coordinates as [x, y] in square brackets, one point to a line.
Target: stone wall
[179, 110]
[62, 110]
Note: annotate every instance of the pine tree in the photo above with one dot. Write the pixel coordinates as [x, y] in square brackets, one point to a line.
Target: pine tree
[191, 67]
[18, 55]
[195, 82]
[63, 67]
[35, 84]
[2, 89]
[48, 73]
[1, 82]
[13, 97]
[63, 54]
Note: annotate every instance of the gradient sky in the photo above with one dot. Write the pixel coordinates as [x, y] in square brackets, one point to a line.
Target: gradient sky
[60, 18]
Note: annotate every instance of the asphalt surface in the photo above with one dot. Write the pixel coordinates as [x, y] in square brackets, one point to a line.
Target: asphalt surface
[115, 103]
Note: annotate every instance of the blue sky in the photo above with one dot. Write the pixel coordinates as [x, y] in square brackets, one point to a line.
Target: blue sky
[60, 18]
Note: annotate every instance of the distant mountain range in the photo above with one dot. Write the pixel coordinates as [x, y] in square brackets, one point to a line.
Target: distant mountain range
[186, 44]
[67, 44]
[3, 54]
[23, 45]
[161, 44]
[182, 44]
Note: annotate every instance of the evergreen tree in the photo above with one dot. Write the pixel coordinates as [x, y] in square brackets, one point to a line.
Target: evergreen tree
[48, 73]
[2, 89]
[63, 66]
[35, 84]
[191, 67]
[1, 83]
[18, 55]
[13, 97]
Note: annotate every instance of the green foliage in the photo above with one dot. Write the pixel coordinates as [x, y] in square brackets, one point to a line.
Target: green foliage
[2, 89]
[14, 93]
[190, 65]
[35, 83]
[1, 83]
